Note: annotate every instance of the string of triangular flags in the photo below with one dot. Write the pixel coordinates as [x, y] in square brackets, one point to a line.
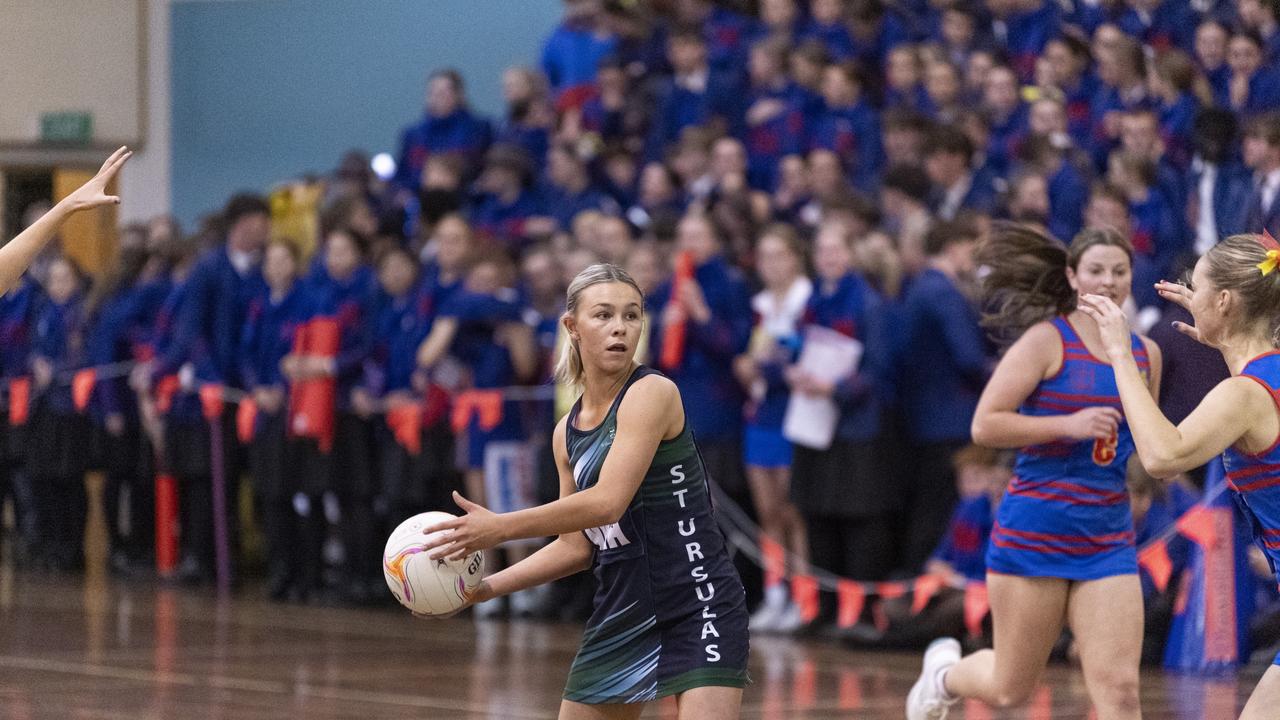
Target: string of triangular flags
[405, 418]
[1197, 525]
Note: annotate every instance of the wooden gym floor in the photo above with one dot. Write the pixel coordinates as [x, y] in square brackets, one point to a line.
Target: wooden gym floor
[97, 647]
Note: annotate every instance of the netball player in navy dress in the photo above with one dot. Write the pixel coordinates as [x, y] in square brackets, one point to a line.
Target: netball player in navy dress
[670, 612]
[1062, 548]
[1234, 299]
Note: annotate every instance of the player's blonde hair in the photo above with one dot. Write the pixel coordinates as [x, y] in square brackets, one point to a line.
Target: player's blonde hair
[1233, 264]
[569, 369]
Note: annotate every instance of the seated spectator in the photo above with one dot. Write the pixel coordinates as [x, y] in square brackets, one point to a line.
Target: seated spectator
[957, 34]
[827, 25]
[570, 54]
[1218, 185]
[1023, 27]
[806, 63]
[902, 135]
[778, 18]
[849, 126]
[1212, 37]
[1253, 87]
[904, 197]
[1068, 59]
[507, 201]
[569, 190]
[659, 195]
[1159, 24]
[1028, 200]
[902, 79]
[1007, 116]
[1180, 91]
[449, 128]
[694, 95]
[1157, 239]
[1140, 136]
[1122, 72]
[1068, 182]
[1261, 149]
[774, 123]
[948, 156]
[942, 87]
[530, 117]
[1262, 17]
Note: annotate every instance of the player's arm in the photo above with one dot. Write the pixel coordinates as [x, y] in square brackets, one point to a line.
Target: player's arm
[649, 411]
[566, 555]
[1155, 358]
[997, 422]
[17, 254]
[1225, 415]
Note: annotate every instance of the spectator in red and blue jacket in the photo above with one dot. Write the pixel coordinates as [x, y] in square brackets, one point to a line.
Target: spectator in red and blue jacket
[1180, 91]
[449, 128]
[15, 326]
[530, 117]
[941, 365]
[726, 31]
[293, 540]
[774, 123]
[981, 478]
[507, 201]
[1218, 185]
[1068, 59]
[1159, 24]
[569, 191]
[1212, 37]
[715, 308]
[944, 90]
[1067, 181]
[778, 18]
[694, 95]
[1263, 18]
[827, 25]
[570, 54]
[1007, 114]
[1157, 233]
[1023, 28]
[1140, 136]
[1254, 85]
[1122, 72]
[58, 431]
[902, 77]
[605, 112]
[849, 127]
[948, 160]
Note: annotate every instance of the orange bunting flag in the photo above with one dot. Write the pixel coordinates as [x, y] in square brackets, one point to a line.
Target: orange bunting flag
[804, 591]
[485, 404]
[19, 400]
[890, 590]
[405, 422]
[976, 606]
[775, 561]
[1198, 526]
[246, 419]
[1155, 560]
[850, 597]
[926, 587]
[211, 401]
[166, 388]
[82, 387]
[672, 353]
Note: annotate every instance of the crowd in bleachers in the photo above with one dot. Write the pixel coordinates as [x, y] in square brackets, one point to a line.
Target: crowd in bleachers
[761, 169]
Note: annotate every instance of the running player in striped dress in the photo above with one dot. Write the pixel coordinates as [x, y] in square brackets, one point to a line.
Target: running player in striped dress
[1062, 547]
[670, 612]
[1234, 299]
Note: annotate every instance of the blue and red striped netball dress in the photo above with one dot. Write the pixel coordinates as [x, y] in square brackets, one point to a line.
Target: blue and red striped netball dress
[1066, 511]
[1256, 478]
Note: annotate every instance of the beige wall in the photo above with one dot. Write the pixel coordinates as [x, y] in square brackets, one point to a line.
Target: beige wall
[79, 55]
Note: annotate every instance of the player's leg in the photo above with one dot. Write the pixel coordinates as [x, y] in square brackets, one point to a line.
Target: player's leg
[709, 703]
[570, 710]
[1266, 696]
[1106, 618]
[1026, 616]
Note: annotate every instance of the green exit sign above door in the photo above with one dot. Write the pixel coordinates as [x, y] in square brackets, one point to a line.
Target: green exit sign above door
[66, 128]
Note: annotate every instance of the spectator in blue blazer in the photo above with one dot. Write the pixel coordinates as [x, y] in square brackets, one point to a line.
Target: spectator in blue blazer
[941, 367]
[447, 128]
[948, 160]
[1218, 185]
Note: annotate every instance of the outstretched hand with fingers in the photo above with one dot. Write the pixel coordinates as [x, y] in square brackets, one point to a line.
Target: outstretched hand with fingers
[479, 529]
[94, 193]
[1179, 295]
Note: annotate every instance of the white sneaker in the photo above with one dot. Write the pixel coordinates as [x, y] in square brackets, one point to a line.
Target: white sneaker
[765, 619]
[928, 700]
[789, 620]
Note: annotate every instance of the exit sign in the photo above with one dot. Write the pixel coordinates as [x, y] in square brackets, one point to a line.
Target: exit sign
[70, 128]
